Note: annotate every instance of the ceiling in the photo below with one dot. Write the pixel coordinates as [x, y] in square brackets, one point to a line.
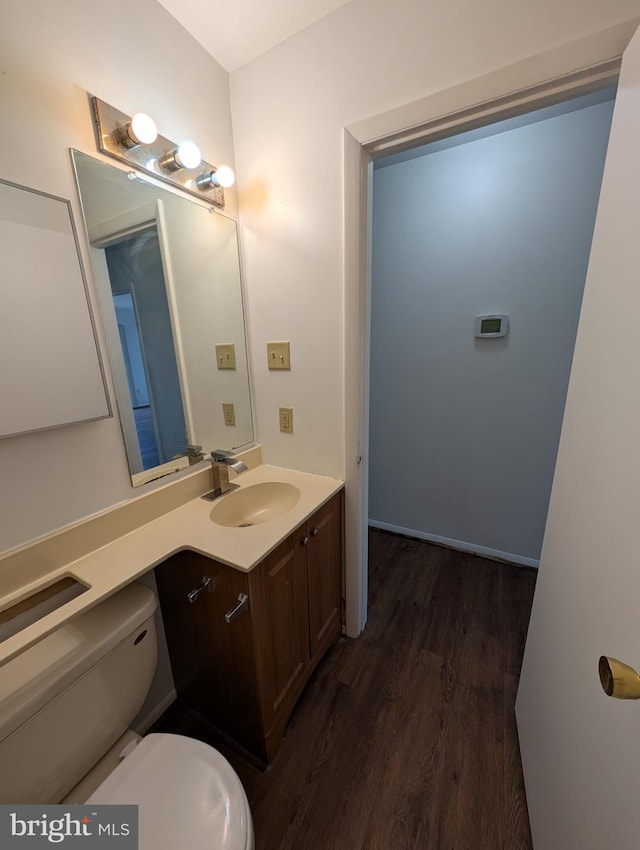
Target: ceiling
[236, 32]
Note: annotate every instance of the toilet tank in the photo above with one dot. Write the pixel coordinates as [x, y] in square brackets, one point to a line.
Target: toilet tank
[65, 701]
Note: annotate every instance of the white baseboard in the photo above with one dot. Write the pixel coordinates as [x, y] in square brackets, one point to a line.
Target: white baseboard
[494, 554]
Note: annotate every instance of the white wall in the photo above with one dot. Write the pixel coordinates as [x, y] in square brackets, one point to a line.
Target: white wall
[289, 108]
[500, 224]
[135, 56]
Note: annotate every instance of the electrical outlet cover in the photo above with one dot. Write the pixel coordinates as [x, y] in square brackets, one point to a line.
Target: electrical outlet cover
[286, 420]
[229, 413]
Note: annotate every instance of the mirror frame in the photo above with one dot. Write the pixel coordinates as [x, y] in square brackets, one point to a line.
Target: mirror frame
[54, 375]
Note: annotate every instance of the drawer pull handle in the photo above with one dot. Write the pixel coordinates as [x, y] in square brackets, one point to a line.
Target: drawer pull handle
[243, 605]
[207, 584]
[305, 540]
[314, 532]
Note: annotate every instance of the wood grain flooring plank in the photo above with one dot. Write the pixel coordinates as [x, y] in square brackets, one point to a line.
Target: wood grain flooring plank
[517, 829]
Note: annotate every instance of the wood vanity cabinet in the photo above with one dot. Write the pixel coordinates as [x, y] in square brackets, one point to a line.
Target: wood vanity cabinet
[246, 675]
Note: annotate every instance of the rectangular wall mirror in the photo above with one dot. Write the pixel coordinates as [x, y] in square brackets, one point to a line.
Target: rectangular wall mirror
[168, 273]
[51, 371]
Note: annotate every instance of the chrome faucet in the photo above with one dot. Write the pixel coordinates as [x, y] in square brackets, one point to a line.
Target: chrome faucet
[194, 453]
[220, 462]
[228, 458]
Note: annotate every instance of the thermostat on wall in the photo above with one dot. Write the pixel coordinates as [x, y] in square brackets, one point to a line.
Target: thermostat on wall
[489, 327]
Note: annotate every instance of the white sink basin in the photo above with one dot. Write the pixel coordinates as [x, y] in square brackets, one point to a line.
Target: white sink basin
[255, 504]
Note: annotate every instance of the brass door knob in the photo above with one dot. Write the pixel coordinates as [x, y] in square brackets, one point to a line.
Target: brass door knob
[617, 679]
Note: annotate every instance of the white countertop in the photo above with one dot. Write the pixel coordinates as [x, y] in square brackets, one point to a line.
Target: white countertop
[189, 526]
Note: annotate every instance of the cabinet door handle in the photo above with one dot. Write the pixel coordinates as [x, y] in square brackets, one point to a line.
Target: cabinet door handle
[314, 532]
[207, 584]
[243, 605]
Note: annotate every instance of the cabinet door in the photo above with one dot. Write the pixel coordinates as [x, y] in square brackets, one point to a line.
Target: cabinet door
[324, 567]
[283, 630]
[213, 662]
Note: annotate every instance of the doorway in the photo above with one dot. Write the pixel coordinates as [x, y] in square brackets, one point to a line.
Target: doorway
[139, 297]
[494, 222]
[507, 92]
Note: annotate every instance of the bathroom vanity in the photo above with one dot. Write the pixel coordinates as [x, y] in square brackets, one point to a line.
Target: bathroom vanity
[243, 644]
[250, 587]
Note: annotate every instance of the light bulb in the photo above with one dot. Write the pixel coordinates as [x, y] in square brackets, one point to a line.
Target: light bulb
[142, 129]
[224, 176]
[188, 155]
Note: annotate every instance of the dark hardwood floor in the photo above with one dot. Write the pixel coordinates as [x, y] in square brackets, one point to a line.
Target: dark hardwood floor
[406, 737]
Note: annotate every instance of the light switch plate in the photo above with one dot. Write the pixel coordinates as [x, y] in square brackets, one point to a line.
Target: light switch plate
[229, 413]
[278, 355]
[226, 356]
[286, 420]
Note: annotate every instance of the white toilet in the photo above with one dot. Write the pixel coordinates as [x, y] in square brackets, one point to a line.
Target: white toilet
[65, 708]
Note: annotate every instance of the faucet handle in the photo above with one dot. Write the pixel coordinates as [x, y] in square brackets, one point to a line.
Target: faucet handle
[221, 454]
[194, 453]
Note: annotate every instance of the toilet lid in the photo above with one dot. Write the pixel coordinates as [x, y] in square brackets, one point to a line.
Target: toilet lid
[188, 795]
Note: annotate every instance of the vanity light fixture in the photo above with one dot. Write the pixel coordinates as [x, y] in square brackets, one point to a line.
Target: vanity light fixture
[135, 141]
[221, 176]
[186, 155]
[141, 130]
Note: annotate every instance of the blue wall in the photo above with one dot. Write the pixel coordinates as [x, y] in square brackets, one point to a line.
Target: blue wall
[464, 432]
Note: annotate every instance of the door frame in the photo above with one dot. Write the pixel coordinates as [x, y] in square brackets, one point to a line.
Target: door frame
[585, 65]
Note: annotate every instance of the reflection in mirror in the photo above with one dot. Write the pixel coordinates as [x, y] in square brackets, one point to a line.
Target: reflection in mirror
[168, 272]
[140, 301]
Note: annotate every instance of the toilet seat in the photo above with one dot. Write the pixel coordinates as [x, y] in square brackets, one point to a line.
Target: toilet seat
[188, 795]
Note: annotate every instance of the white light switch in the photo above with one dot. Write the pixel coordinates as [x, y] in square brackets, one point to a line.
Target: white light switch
[278, 355]
[226, 356]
